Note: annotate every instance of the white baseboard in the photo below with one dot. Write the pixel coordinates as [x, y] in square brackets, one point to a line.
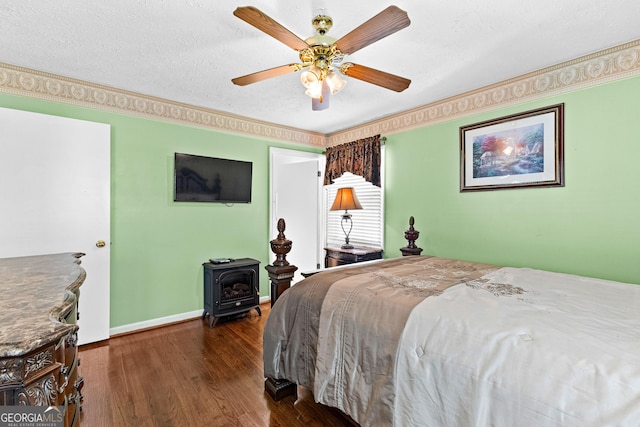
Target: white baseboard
[131, 327]
[154, 322]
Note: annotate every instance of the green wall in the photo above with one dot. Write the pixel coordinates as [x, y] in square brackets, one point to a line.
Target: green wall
[158, 246]
[591, 226]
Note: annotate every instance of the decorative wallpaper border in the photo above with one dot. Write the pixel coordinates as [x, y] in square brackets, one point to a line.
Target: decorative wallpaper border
[611, 64]
[35, 84]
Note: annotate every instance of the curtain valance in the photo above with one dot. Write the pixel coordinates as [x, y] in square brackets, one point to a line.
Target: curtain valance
[360, 157]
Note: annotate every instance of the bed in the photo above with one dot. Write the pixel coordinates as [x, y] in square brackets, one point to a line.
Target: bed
[429, 341]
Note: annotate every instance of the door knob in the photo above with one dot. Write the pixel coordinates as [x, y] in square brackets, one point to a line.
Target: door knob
[100, 243]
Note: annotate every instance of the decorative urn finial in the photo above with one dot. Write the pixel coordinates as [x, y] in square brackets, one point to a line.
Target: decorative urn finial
[281, 246]
[411, 234]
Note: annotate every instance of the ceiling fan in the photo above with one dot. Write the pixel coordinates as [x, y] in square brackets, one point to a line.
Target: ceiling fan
[321, 55]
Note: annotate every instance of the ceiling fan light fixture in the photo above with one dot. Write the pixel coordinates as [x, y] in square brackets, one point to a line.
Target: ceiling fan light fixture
[314, 90]
[336, 84]
[319, 103]
[309, 78]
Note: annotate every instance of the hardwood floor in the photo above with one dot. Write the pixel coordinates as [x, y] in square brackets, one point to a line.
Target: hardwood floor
[187, 375]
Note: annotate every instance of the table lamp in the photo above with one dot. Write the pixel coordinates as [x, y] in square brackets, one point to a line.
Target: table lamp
[346, 199]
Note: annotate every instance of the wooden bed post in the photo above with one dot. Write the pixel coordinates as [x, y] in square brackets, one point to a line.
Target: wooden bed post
[411, 235]
[280, 273]
[279, 389]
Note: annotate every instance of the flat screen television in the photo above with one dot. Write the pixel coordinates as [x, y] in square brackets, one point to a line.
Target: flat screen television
[211, 179]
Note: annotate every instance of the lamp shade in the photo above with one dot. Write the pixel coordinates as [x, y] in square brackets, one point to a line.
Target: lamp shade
[346, 199]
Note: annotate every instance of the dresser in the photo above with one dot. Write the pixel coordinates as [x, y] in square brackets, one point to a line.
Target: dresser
[38, 333]
[335, 256]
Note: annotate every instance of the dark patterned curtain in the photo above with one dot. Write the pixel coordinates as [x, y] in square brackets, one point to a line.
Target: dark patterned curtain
[361, 157]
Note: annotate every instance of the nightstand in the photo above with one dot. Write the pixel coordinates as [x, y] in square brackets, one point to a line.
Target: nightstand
[335, 256]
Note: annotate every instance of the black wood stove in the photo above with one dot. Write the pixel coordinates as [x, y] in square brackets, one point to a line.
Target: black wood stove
[231, 287]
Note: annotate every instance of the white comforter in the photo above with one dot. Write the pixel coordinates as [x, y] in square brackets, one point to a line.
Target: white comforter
[516, 348]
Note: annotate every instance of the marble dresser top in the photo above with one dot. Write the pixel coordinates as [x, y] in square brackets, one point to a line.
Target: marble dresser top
[34, 293]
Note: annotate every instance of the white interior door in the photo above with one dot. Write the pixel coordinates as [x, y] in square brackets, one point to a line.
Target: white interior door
[55, 195]
[296, 182]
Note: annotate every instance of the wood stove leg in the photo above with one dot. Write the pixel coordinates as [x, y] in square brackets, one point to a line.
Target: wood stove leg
[279, 389]
[212, 321]
[259, 311]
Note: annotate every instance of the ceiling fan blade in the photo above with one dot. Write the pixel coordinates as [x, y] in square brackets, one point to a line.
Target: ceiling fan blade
[376, 77]
[266, 74]
[387, 22]
[255, 17]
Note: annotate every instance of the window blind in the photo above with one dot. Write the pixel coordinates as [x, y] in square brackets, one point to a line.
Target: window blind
[367, 222]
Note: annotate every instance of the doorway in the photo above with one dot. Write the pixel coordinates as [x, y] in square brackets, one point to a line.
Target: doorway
[296, 196]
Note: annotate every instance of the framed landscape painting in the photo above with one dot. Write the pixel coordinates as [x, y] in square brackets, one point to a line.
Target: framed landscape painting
[521, 150]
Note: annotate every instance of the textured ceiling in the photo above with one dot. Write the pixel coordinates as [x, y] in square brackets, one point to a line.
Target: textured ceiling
[189, 50]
